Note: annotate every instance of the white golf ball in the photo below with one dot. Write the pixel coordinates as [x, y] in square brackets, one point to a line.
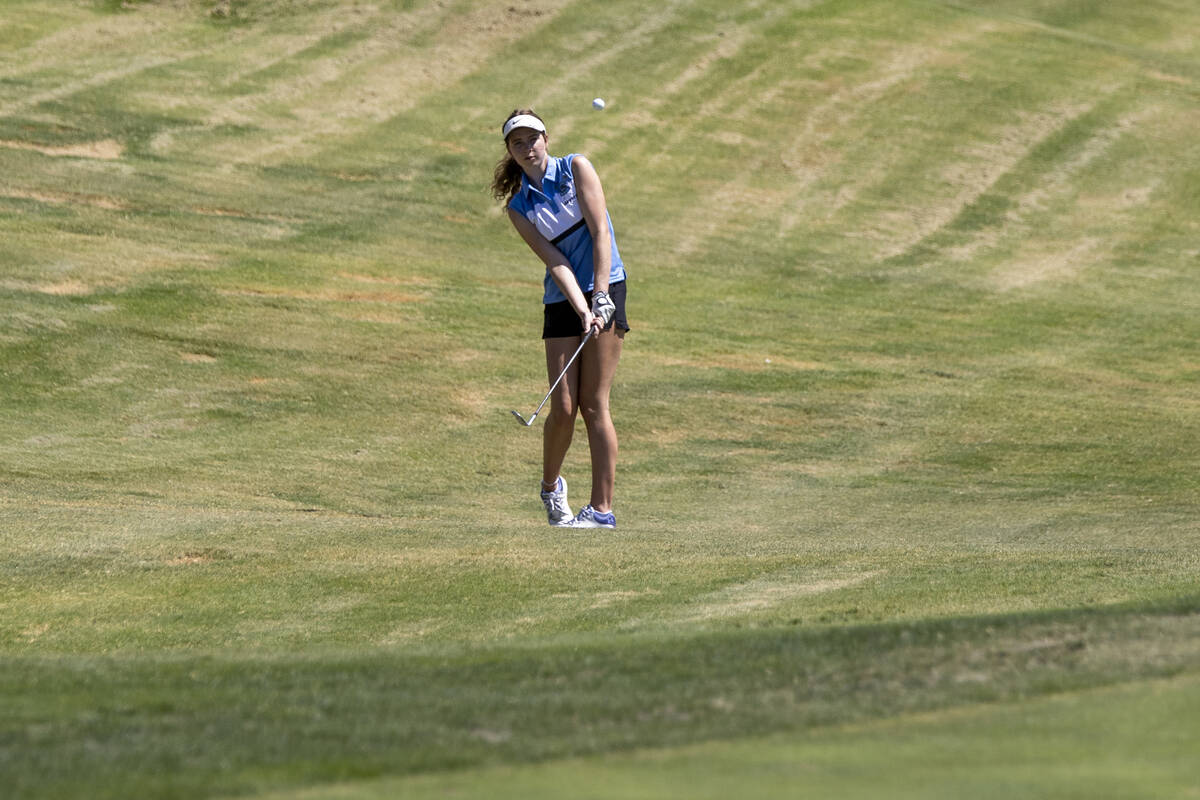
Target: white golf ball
[598, 103]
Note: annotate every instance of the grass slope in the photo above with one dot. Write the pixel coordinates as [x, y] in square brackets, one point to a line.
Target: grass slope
[909, 413]
[1133, 741]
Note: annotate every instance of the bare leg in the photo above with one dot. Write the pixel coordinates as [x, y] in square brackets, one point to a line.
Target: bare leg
[598, 365]
[564, 404]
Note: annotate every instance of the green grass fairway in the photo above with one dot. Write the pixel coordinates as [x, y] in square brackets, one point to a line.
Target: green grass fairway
[1135, 741]
[909, 415]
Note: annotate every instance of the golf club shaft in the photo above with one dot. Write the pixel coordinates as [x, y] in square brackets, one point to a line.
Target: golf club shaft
[554, 386]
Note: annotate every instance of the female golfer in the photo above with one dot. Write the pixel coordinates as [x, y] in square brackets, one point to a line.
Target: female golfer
[557, 205]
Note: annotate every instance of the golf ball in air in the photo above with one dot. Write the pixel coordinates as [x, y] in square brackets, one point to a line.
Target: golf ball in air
[598, 103]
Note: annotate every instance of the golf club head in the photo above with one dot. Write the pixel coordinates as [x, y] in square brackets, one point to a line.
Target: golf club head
[523, 422]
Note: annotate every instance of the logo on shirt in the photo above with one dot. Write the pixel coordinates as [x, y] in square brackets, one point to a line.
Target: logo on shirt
[567, 195]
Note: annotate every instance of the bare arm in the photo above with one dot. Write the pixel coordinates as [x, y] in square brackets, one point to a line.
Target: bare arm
[595, 213]
[556, 262]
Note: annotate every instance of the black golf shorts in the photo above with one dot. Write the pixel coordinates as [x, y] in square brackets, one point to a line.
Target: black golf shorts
[561, 320]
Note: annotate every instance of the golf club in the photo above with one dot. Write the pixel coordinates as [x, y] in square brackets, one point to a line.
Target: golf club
[556, 382]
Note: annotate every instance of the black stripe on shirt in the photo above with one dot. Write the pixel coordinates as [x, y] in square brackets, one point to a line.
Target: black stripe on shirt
[568, 231]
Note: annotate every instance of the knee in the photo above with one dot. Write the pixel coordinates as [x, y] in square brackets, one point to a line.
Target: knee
[562, 413]
[594, 413]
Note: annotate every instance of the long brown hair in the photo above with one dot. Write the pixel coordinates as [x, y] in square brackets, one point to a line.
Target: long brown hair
[507, 178]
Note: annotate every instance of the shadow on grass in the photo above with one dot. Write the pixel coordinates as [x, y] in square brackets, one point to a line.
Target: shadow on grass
[164, 724]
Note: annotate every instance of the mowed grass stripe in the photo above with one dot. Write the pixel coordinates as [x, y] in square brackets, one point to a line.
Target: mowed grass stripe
[389, 67]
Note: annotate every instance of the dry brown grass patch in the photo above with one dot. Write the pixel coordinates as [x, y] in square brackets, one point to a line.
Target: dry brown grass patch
[66, 198]
[105, 150]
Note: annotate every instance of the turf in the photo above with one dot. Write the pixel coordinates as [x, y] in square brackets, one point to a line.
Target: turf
[908, 413]
[1131, 741]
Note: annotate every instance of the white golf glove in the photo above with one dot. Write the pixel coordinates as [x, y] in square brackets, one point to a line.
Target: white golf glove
[603, 307]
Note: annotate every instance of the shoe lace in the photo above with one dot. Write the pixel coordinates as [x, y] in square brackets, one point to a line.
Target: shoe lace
[555, 501]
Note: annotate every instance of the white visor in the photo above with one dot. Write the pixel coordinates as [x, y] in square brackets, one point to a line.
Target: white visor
[523, 121]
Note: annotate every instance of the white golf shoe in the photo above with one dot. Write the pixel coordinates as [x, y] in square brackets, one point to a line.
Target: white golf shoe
[557, 511]
[589, 517]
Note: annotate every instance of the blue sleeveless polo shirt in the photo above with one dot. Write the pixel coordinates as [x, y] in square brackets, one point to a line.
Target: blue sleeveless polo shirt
[558, 216]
